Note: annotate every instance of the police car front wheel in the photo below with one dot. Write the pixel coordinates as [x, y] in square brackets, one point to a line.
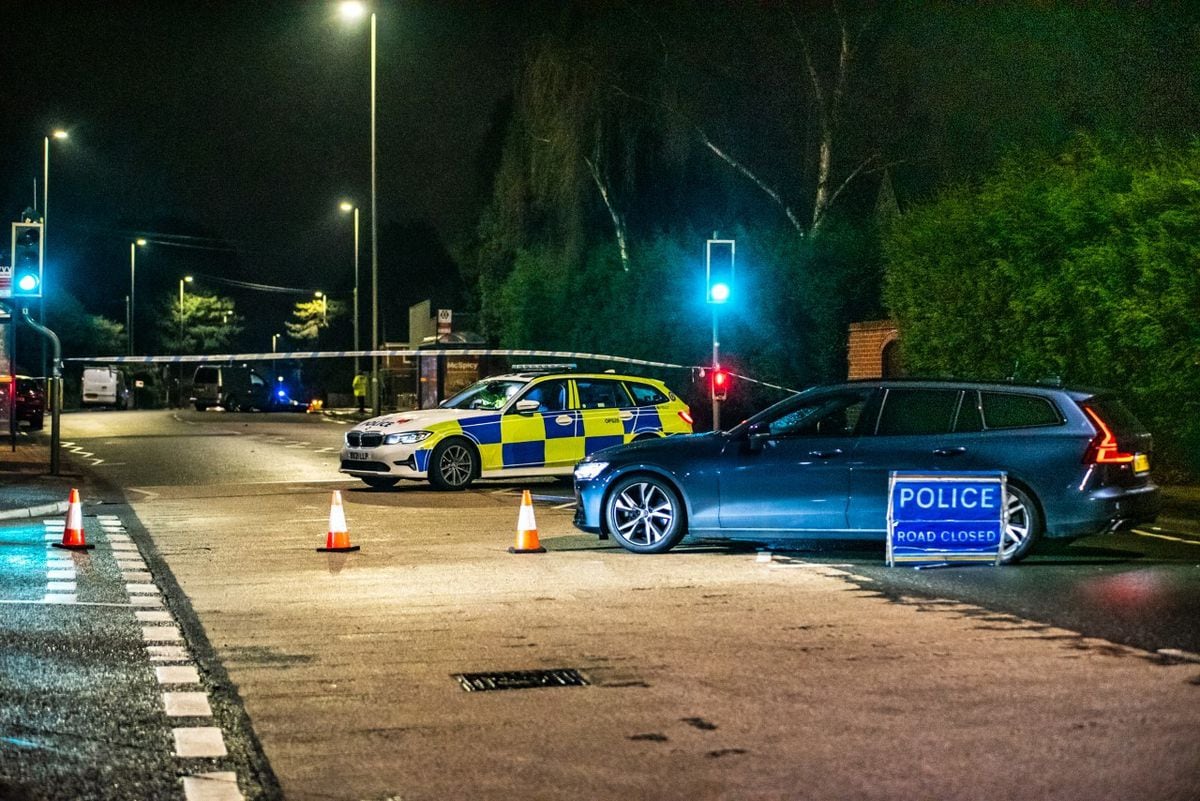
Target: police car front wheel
[453, 465]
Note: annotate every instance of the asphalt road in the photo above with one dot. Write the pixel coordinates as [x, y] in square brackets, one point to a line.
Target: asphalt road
[716, 671]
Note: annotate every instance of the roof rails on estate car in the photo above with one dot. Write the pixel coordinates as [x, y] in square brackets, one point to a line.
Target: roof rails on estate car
[542, 368]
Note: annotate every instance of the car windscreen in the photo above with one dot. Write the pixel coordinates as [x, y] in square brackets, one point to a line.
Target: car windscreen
[486, 394]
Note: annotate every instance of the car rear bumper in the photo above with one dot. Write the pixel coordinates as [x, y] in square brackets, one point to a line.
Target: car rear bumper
[1108, 509]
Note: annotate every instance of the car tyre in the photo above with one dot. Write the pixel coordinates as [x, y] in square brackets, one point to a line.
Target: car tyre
[201, 406]
[379, 482]
[231, 404]
[36, 423]
[453, 465]
[1024, 527]
[644, 514]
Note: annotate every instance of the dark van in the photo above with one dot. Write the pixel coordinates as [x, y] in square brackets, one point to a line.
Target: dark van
[236, 388]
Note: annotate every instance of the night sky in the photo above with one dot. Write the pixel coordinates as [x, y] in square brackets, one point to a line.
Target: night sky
[244, 123]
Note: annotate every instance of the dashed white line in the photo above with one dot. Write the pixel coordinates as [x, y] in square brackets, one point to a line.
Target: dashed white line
[187, 705]
[161, 634]
[212, 787]
[199, 741]
[177, 674]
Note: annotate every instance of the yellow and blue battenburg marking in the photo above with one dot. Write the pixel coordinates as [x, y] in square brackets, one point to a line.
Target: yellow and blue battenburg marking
[557, 438]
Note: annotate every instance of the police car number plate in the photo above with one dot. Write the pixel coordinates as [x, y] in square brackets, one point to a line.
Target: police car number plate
[358, 456]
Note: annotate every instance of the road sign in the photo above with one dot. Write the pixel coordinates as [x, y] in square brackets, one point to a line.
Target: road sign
[946, 517]
[444, 319]
[5, 280]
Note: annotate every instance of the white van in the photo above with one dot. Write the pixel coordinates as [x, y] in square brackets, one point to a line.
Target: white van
[104, 386]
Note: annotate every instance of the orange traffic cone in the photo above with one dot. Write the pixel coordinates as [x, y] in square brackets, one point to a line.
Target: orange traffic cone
[339, 538]
[527, 536]
[73, 538]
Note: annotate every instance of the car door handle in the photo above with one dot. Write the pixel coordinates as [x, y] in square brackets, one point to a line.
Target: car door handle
[958, 451]
[564, 419]
[826, 454]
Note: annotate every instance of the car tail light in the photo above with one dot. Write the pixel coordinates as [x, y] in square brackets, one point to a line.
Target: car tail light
[686, 416]
[1104, 449]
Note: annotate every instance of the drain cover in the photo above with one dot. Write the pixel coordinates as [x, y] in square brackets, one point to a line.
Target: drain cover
[520, 680]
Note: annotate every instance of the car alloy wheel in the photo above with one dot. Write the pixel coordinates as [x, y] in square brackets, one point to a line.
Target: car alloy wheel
[644, 514]
[1024, 526]
[453, 465]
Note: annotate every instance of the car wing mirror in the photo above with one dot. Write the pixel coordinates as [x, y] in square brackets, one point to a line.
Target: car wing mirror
[527, 406]
[757, 434]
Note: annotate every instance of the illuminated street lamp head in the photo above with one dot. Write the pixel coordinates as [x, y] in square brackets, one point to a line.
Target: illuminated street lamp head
[140, 242]
[318, 294]
[346, 205]
[352, 10]
[59, 134]
[187, 279]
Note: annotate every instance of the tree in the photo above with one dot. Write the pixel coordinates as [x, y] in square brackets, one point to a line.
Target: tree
[312, 316]
[204, 324]
[1080, 266]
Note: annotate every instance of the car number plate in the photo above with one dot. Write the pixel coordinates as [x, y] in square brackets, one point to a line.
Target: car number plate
[358, 456]
[1141, 463]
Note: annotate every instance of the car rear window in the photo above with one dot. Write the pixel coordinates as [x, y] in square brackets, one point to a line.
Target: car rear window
[205, 375]
[914, 412]
[1116, 415]
[1010, 410]
[645, 394]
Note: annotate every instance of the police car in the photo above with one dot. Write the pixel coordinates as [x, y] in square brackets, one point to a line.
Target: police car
[527, 423]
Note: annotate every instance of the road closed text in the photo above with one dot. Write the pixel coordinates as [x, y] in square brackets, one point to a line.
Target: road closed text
[946, 536]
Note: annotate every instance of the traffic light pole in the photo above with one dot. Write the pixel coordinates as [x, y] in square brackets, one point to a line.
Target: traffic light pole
[716, 365]
[55, 385]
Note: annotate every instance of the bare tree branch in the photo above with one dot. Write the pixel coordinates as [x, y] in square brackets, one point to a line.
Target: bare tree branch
[744, 170]
[618, 222]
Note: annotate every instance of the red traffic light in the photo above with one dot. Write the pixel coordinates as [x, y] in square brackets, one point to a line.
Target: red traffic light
[720, 384]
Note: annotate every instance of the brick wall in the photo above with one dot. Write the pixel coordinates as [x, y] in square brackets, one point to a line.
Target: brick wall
[865, 346]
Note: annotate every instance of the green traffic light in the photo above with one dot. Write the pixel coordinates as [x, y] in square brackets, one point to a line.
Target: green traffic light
[27, 282]
[719, 293]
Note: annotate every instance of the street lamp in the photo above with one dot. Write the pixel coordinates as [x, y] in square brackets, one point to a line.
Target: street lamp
[353, 10]
[347, 206]
[60, 135]
[133, 246]
[187, 279]
[321, 296]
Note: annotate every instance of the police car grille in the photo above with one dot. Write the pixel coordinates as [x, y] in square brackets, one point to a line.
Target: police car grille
[361, 439]
[375, 467]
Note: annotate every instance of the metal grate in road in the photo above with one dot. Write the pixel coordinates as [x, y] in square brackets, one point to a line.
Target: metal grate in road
[520, 680]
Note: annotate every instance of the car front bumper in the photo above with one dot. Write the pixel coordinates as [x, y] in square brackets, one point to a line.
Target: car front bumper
[397, 461]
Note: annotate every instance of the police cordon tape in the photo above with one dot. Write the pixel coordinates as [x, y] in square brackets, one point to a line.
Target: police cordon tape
[223, 358]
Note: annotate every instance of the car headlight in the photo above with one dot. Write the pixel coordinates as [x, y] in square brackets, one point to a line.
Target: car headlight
[407, 437]
[585, 471]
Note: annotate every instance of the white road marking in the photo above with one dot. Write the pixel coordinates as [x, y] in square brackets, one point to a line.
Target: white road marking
[153, 616]
[186, 705]
[177, 674]
[167, 653]
[145, 600]
[199, 741]
[136, 576]
[161, 634]
[141, 589]
[73, 603]
[60, 586]
[59, 598]
[65, 574]
[1175, 653]
[212, 787]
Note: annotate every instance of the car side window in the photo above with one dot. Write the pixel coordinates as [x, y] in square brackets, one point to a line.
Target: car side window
[645, 395]
[915, 412]
[600, 394]
[550, 395]
[827, 416]
[970, 418]
[1010, 410]
[256, 380]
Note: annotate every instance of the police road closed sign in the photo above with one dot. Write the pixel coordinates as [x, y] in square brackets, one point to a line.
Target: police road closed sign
[946, 517]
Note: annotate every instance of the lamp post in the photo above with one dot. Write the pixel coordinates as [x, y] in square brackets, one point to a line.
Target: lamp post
[133, 246]
[347, 206]
[351, 9]
[274, 342]
[60, 135]
[321, 296]
[187, 279]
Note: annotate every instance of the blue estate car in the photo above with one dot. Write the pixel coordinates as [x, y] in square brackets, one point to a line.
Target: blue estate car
[817, 465]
